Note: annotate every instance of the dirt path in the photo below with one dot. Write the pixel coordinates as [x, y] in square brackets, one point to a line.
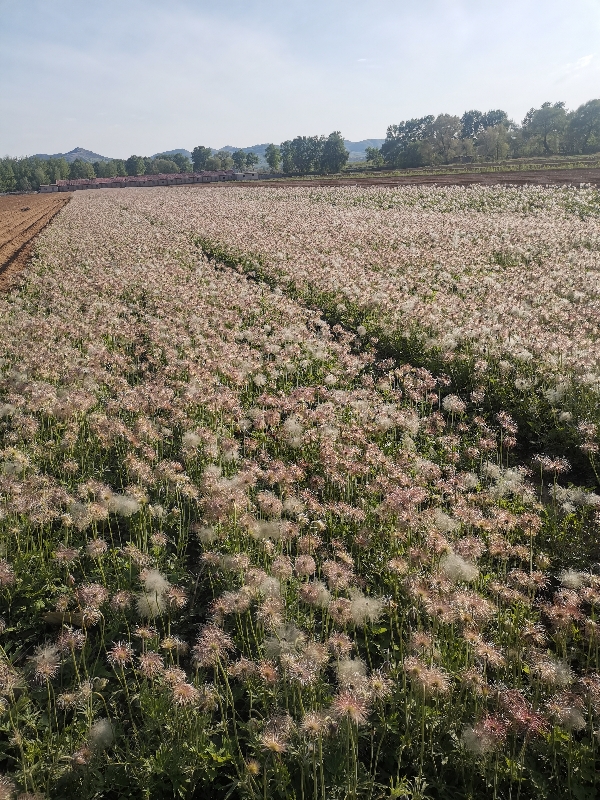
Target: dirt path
[22, 217]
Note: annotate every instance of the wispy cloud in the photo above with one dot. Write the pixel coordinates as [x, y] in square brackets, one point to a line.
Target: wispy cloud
[145, 76]
[576, 68]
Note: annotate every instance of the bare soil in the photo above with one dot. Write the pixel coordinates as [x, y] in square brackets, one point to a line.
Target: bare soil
[539, 177]
[22, 217]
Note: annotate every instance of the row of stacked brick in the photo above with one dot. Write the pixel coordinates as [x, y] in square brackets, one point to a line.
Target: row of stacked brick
[176, 179]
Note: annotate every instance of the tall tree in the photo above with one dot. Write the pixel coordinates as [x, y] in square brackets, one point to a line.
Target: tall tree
[81, 169]
[492, 143]
[287, 156]
[182, 161]
[251, 160]
[239, 159]
[306, 153]
[373, 156]
[8, 181]
[334, 154]
[162, 166]
[584, 127]
[495, 117]
[219, 161]
[273, 157]
[200, 156]
[135, 165]
[443, 136]
[471, 123]
[402, 146]
[547, 122]
[105, 169]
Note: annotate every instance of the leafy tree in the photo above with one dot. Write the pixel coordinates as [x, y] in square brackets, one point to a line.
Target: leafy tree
[443, 136]
[57, 169]
[105, 169]
[303, 154]
[273, 157]
[81, 169]
[287, 156]
[163, 166]
[135, 165]
[7, 176]
[492, 143]
[495, 117]
[225, 159]
[374, 156]
[182, 161]
[121, 169]
[471, 123]
[251, 160]
[39, 177]
[219, 161]
[239, 159]
[402, 146]
[334, 154]
[546, 122]
[584, 128]
[414, 155]
[200, 156]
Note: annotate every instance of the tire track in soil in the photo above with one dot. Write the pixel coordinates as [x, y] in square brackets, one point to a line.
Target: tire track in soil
[22, 217]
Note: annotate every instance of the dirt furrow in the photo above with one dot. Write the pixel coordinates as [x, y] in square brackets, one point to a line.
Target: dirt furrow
[21, 219]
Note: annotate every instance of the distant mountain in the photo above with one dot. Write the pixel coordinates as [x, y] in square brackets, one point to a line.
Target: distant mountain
[185, 153]
[356, 150]
[259, 149]
[73, 155]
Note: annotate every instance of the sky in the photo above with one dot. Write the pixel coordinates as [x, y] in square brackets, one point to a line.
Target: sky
[140, 76]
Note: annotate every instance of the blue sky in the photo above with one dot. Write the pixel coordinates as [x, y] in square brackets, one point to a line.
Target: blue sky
[140, 76]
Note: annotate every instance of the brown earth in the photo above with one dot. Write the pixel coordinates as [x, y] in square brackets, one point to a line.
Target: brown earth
[22, 217]
[543, 177]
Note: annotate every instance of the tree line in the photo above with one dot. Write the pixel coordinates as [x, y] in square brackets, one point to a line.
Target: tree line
[475, 136]
[304, 154]
[490, 136]
[28, 174]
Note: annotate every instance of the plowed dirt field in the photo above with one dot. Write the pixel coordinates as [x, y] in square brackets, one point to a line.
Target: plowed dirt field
[539, 177]
[22, 217]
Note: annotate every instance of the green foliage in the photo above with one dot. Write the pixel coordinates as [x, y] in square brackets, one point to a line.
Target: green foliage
[28, 174]
[491, 136]
[474, 122]
[219, 161]
[334, 154]
[583, 130]
[81, 169]
[273, 157]
[183, 162]
[547, 123]
[105, 169]
[200, 156]
[374, 156]
[8, 181]
[135, 165]
[403, 145]
[239, 159]
[162, 165]
[306, 154]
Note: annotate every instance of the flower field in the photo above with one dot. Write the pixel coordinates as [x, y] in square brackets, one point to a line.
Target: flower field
[298, 497]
